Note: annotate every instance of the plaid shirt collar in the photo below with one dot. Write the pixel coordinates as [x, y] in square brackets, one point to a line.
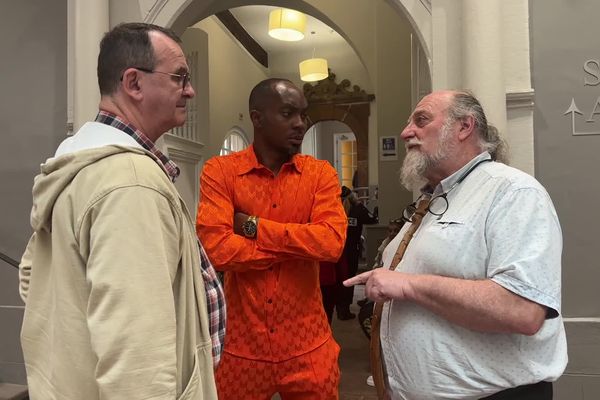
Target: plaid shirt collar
[111, 119]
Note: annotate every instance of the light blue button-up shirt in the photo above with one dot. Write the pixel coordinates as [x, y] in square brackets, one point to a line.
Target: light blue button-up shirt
[500, 225]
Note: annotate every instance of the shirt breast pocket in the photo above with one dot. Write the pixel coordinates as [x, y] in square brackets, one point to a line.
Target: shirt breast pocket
[451, 245]
[446, 223]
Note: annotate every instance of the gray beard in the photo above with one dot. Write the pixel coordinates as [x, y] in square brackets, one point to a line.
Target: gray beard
[413, 169]
[416, 164]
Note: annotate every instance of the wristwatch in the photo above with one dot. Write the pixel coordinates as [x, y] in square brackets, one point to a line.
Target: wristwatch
[250, 227]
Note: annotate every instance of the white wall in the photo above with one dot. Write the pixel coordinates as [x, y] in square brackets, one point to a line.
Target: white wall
[517, 76]
[449, 65]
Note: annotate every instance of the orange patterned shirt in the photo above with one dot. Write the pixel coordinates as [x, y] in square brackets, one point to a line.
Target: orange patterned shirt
[274, 307]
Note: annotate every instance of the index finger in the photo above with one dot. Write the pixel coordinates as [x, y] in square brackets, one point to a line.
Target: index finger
[358, 279]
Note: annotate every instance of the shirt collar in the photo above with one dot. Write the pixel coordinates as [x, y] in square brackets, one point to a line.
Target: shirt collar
[452, 179]
[113, 120]
[248, 161]
[447, 182]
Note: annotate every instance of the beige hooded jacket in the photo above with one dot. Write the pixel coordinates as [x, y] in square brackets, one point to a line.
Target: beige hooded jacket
[115, 303]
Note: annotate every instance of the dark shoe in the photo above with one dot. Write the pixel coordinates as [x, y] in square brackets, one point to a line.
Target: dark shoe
[362, 302]
[345, 315]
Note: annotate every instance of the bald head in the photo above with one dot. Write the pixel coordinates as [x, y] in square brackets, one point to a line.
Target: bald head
[266, 90]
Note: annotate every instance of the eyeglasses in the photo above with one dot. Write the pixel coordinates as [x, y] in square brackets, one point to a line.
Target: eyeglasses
[183, 78]
[438, 205]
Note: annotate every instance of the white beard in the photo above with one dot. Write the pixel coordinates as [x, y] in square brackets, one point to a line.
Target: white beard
[413, 168]
[417, 164]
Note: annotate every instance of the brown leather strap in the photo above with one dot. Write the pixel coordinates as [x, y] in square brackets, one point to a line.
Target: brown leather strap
[377, 367]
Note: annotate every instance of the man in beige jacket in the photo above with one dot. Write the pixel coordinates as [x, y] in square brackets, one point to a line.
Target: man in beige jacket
[114, 280]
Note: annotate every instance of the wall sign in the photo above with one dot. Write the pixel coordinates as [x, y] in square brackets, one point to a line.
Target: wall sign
[388, 148]
[592, 78]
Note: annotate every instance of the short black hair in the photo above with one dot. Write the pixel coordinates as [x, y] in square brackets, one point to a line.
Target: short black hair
[262, 91]
[345, 192]
[126, 45]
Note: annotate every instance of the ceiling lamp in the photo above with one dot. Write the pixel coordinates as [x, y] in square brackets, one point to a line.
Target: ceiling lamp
[313, 69]
[288, 25]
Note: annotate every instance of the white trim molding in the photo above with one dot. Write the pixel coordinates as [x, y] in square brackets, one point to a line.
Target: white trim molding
[516, 100]
[183, 149]
[189, 155]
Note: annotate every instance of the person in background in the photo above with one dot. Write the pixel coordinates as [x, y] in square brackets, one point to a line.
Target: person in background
[267, 216]
[365, 314]
[358, 215]
[393, 228]
[118, 291]
[473, 308]
[331, 276]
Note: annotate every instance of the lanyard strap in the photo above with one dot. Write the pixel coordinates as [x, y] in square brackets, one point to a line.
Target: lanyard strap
[377, 365]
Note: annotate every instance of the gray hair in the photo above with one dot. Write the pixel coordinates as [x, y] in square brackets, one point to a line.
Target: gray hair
[465, 104]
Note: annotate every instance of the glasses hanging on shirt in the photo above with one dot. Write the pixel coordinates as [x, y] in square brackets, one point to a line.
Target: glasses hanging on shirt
[438, 205]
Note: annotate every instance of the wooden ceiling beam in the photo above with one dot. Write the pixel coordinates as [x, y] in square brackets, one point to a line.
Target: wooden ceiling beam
[238, 31]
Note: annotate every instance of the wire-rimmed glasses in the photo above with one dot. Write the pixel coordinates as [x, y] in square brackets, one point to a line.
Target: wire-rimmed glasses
[183, 78]
[438, 205]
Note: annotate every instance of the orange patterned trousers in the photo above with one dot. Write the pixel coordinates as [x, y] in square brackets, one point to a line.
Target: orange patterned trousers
[311, 376]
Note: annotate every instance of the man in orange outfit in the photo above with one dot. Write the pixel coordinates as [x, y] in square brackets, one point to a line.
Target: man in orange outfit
[267, 216]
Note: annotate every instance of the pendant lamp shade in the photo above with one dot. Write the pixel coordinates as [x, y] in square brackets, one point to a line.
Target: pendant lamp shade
[288, 25]
[313, 69]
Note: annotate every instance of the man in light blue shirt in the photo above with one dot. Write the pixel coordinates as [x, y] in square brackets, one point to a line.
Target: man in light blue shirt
[473, 309]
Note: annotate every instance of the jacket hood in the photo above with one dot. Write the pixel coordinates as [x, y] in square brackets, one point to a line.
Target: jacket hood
[93, 142]
[57, 173]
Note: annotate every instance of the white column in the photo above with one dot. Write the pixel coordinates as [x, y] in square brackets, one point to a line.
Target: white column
[88, 21]
[447, 58]
[483, 71]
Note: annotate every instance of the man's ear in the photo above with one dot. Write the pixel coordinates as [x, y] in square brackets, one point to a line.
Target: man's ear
[131, 83]
[257, 118]
[467, 126]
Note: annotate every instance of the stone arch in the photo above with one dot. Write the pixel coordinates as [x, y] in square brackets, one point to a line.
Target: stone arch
[179, 14]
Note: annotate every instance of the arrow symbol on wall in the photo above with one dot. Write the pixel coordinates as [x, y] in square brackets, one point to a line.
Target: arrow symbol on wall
[574, 110]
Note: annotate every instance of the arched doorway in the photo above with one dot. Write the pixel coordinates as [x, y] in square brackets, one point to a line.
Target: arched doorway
[386, 53]
[329, 100]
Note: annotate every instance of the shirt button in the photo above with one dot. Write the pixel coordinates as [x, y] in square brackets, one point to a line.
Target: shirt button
[271, 330]
[274, 205]
[270, 301]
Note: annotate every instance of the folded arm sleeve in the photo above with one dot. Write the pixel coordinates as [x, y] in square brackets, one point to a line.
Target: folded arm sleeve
[214, 225]
[323, 238]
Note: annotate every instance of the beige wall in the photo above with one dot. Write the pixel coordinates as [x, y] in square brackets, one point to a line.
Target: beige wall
[393, 103]
[232, 75]
[342, 61]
